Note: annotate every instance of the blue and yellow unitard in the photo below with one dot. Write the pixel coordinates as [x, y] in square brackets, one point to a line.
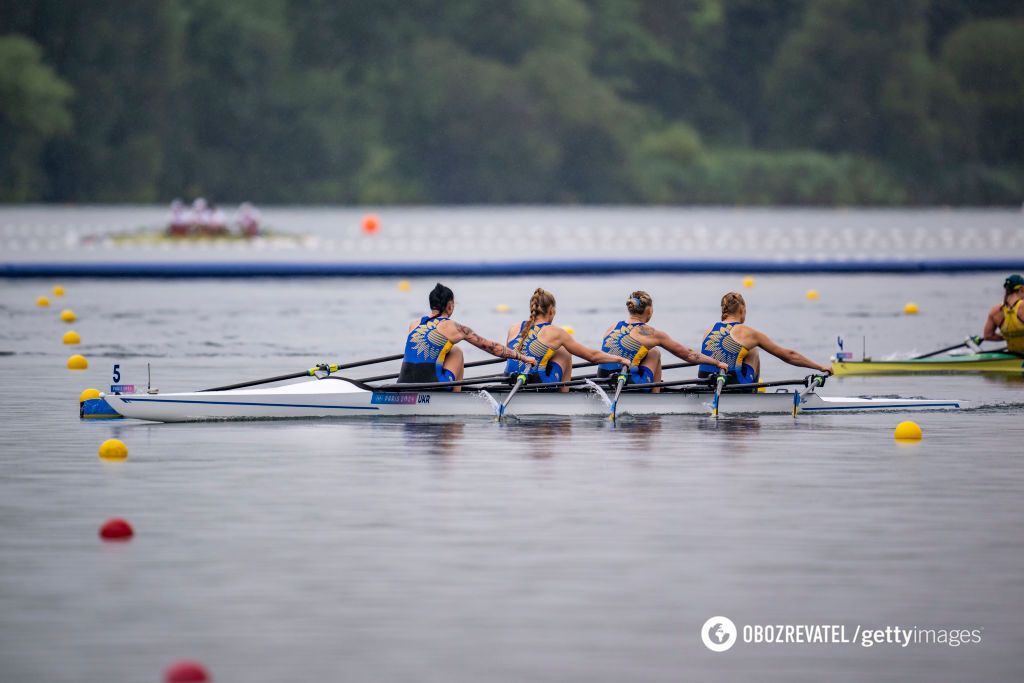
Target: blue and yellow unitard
[619, 342]
[722, 347]
[425, 351]
[544, 372]
[1012, 328]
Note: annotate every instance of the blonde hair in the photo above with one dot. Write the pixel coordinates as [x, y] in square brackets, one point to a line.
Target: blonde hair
[732, 303]
[540, 303]
[638, 302]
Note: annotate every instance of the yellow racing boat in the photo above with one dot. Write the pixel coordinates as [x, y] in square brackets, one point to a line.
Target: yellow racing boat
[985, 362]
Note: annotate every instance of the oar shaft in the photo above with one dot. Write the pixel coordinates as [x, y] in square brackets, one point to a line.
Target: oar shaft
[948, 348]
[267, 380]
[426, 386]
[304, 373]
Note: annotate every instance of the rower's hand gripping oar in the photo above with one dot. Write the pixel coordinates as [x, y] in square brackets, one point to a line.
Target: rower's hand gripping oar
[520, 381]
[719, 383]
[620, 382]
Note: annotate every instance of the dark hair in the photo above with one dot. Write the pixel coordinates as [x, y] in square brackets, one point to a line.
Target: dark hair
[440, 297]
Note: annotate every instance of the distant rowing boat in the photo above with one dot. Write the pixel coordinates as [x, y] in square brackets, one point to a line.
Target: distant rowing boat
[159, 237]
[988, 362]
[334, 397]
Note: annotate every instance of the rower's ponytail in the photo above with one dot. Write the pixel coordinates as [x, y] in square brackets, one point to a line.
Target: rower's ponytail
[732, 303]
[540, 303]
[439, 298]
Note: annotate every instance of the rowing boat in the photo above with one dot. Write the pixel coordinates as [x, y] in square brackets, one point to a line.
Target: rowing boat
[991, 362]
[333, 397]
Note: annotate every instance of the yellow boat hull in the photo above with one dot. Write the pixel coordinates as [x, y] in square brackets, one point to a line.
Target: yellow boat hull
[971, 363]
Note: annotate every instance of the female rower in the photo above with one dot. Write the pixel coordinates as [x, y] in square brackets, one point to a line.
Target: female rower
[430, 351]
[636, 340]
[736, 344]
[1008, 318]
[549, 346]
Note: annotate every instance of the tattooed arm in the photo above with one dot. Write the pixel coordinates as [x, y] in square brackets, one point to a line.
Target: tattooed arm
[494, 348]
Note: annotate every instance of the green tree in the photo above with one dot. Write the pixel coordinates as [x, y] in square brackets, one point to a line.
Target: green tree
[987, 59]
[33, 110]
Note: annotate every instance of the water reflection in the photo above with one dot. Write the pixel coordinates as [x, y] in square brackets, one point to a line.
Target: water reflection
[544, 437]
[434, 437]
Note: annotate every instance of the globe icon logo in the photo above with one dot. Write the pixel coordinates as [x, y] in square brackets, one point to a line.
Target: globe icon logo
[718, 634]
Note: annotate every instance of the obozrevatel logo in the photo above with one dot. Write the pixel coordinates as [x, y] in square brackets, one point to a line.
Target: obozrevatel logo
[718, 634]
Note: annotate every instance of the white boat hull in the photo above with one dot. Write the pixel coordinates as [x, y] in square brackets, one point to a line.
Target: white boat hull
[338, 398]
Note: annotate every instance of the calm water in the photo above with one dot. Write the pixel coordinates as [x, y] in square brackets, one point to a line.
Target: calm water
[468, 550]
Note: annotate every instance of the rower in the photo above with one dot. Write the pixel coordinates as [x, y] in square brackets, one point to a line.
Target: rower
[737, 344]
[430, 351]
[549, 346]
[1005, 321]
[636, 340]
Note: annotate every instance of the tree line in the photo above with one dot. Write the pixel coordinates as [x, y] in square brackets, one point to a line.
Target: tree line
[737, 102]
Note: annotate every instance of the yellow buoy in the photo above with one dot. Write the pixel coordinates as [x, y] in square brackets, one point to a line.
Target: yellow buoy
[58, 290]
[503, 308]
[77, 362]
[811, 294]
[71, 337]
[42, 301]
[907, 431]
[748, 282]
[68, 316]
[569, 329]
[404, 286]
[87, 394]
[910, 308]
[113, 449]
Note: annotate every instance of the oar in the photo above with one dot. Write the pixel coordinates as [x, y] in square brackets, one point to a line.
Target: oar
[520, 381]
[322, 367]
[620, 382]
[719, 383]
[474, 364]
[965, 342]
[812, 382]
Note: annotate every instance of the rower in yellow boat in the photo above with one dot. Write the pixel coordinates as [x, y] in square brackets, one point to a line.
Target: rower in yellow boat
[549, 346]
[736, 344]
[1005, 321]
[430, 351]
[636, 340]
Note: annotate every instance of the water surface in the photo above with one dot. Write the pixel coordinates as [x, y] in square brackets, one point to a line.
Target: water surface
[541, 549]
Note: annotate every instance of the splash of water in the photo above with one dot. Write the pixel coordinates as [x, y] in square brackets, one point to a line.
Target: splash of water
[600, 392]
[495, 406]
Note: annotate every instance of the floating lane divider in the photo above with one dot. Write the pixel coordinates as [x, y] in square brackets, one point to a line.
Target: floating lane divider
[248, 269]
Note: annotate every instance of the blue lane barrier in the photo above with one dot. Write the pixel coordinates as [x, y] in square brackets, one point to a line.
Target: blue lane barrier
[483, 268]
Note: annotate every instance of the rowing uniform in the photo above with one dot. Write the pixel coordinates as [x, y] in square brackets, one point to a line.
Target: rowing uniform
[1012, 328]
[619, 342]
[720, 345]
[425, 351]
[544, 372]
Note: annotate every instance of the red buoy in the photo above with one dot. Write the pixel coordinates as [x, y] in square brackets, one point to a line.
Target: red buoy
[370, 224]
[116, 529]
[186, 671]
